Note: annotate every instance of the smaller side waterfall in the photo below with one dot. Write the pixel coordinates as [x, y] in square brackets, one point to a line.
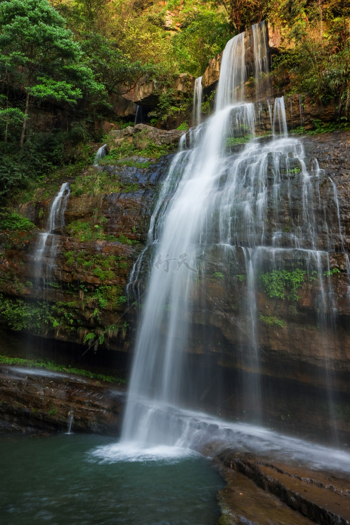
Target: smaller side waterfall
[197, 101]
[70, 422]
[261, 58]
[138, 115]
[101, 152]
[46, 247]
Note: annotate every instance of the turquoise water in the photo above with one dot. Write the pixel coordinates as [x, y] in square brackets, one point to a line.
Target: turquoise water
[75, 479]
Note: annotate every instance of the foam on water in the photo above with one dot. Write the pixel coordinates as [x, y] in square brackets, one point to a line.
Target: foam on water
[191, 430]
[139, 452]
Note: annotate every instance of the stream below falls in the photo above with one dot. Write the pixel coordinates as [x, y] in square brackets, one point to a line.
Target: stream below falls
[67, 479]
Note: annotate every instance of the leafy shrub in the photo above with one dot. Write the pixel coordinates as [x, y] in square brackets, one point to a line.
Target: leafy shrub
[16, 222]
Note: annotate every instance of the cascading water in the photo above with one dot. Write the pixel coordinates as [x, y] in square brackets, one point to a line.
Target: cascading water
[101, 152]
[46, 247]
[234, 204]
[197, 101]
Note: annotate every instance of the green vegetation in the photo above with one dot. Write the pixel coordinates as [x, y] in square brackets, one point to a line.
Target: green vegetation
[282, 283]
[40, 63]
[20, 315]
[140, 147]
[218, 275]
[183, 127]
[315, 49]
[104, 267]
[73, 58]
[321, 127]
[93, 231]
[270, 321]
[15, 222]
[234, 141]
[329, 273]
[49, 365]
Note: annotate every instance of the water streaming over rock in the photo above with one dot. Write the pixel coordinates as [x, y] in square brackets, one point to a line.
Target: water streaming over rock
[197, 101]
[46, 246]
[101, 152]
[230, 197]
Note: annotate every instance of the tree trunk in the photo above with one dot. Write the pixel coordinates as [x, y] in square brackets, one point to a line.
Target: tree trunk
[24, 123]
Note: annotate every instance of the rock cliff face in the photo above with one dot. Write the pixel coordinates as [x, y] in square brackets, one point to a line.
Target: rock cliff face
[35, 400]
[106, 224]
[107, 221]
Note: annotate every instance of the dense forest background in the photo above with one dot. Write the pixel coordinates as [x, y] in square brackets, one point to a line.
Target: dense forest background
[71, 58]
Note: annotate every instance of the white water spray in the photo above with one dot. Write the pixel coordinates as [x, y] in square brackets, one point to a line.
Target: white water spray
[101, 153]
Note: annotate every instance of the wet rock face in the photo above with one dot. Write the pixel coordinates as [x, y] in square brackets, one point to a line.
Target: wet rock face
[35, 400]
[87, 291]
[302, 340]
[81, 289]
[261, 491]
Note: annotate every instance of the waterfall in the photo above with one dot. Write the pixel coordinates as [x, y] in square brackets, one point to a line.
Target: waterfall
[261, 58]
[138, 115]
[101, 152]
[197, 101]
[46, 246]
[220, 201]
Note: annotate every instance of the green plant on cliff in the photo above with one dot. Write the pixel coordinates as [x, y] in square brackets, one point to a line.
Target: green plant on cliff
[329, 273]
[315, 49]
[144, 148]
[234, 141]
[270, 321]
[36, 317]
[15, 222]
[86, 231]
[280, 284]
[50, 365]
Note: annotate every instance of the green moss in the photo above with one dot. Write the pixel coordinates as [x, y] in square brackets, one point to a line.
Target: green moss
[183, 127]
[273, 321]
[134, 164]
[103, 275]
[122, 238]
[94, 182]
[142, 146]
[87, 231]
[321, 127]
[50, 365]
[234, 141]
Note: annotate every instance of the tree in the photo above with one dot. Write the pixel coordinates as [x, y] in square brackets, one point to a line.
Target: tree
[243, 13]
[110, 66]
[41, 54]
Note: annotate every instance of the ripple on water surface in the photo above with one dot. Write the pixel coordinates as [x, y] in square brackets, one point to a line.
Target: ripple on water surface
[90, 480]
